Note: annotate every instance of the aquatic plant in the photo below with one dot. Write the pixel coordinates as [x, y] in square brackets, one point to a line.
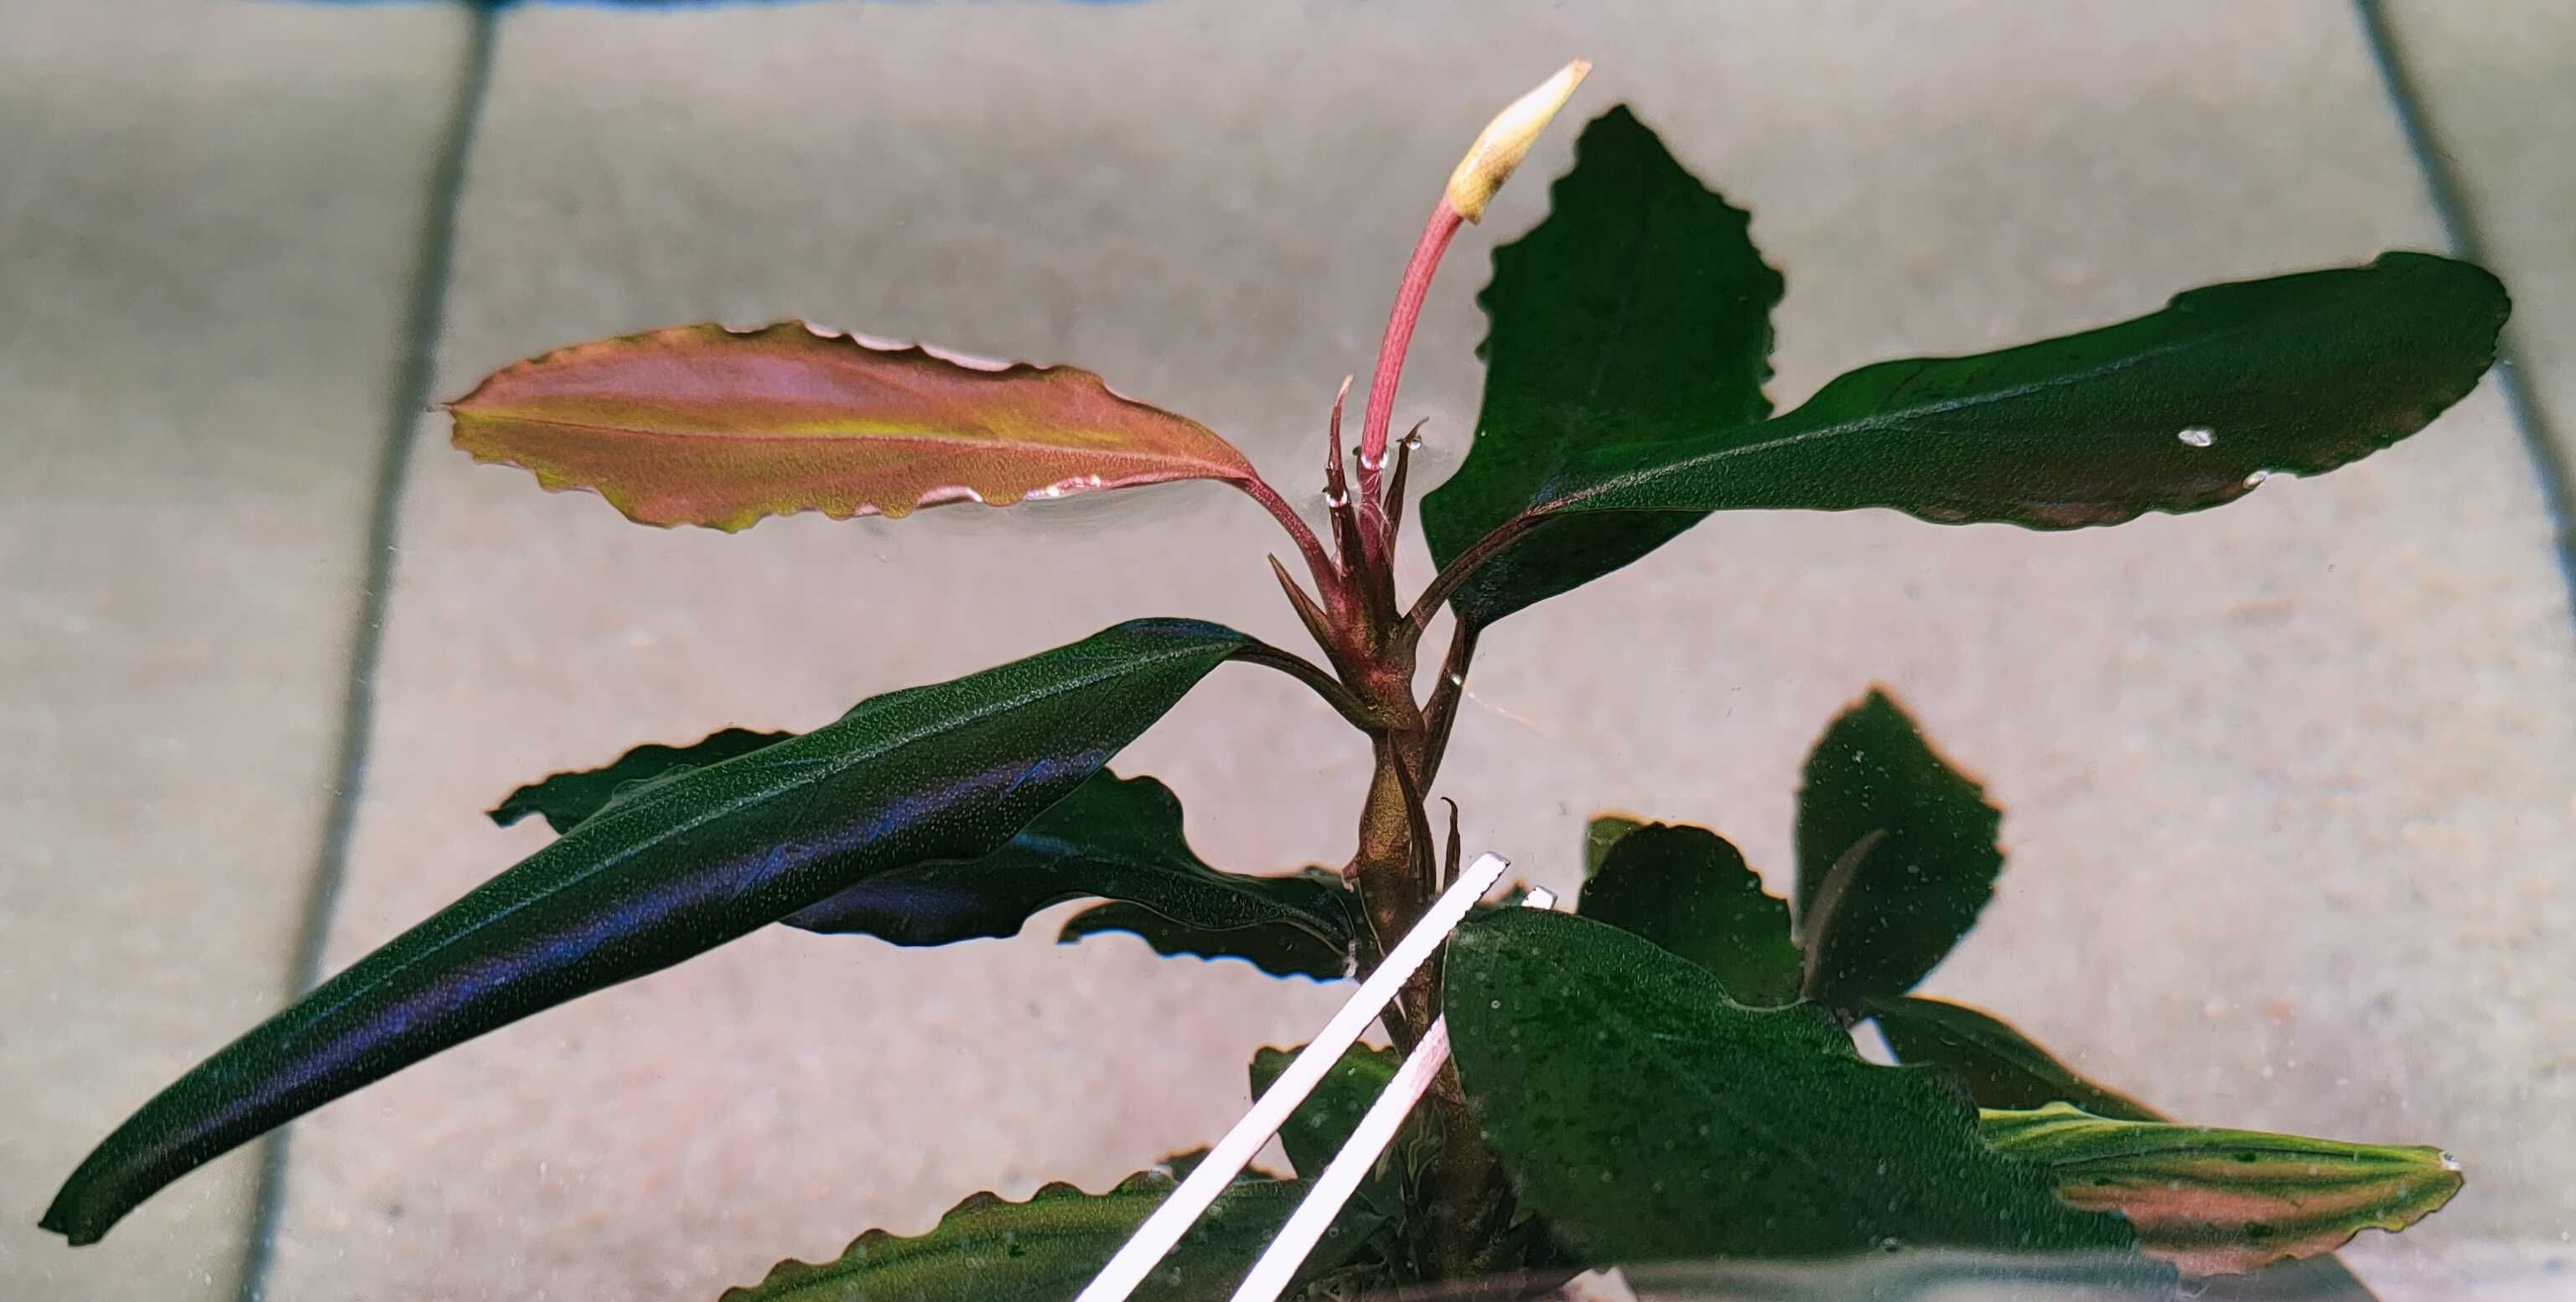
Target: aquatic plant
[1669, 1071]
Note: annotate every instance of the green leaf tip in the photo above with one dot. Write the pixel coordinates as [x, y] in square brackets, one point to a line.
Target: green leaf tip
[2219, 1202]
[1688, 890]
[1896, 855]
[1600, 834]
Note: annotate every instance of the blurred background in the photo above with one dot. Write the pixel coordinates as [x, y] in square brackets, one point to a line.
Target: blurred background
[2288, 786]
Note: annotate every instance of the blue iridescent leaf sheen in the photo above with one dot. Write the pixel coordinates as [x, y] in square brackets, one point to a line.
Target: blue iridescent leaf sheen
[949, 771]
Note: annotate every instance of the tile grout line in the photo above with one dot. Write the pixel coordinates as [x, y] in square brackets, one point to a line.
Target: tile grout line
[424, 313]
[2549, 465]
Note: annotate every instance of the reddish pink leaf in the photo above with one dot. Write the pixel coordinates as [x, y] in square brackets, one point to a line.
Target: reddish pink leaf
[705, 425]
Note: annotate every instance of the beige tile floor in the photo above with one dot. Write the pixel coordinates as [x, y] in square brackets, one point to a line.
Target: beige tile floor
[2492, 77]
[207, 214]
[2290, 813]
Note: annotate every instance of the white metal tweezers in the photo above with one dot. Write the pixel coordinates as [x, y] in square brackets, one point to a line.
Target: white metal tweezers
[1305, 1228]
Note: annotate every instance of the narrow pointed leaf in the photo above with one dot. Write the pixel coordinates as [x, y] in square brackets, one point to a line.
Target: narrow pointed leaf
[709, 426]
[1688, 890]
[1278, 948]
[567, 798]
[1637, 312]
[1046, 1249]
[2178, 411]
[1896, 856]
[1999, 1066]
[1600, 835]
[1118, 839]
[942, 772]
[1648, 1117]
[2218, 1202]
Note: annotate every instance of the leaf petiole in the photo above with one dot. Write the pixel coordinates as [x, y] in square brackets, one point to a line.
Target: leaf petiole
[1314, 676]
[1259, 490]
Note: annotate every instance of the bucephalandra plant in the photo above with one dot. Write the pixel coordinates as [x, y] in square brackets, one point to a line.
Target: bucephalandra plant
[1669, 1071]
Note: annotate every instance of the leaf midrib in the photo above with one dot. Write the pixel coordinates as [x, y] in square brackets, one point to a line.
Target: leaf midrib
[1896, 417]
[649, 801]
[998, 441]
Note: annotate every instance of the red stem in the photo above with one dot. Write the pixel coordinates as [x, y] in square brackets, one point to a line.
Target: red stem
[1390, 360]
[1259, 489]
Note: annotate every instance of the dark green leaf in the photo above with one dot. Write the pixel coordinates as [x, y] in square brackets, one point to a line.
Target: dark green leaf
[1602, 833]
[2178, 411]
[2218, 1202]
[1046, 1249]
[1686, 889]
[1112, 838]
[943, 772]
[567, 798]
[1650, 1118]
[1637, 312]
[1896, 855]
[1276, 948]
[1999, 1066]
[1323, 1123]
[1119, 839]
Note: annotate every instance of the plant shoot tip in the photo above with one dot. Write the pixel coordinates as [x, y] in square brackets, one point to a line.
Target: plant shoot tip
[1507, 139]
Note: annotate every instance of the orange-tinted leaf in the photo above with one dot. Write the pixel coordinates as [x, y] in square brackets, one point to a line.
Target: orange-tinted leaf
[710, 426]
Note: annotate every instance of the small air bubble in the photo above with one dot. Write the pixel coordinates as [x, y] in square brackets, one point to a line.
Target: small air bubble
[1337, 500]
[1413, 441]
[2199, 436]
[2256, 479]
[2449, 1163]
